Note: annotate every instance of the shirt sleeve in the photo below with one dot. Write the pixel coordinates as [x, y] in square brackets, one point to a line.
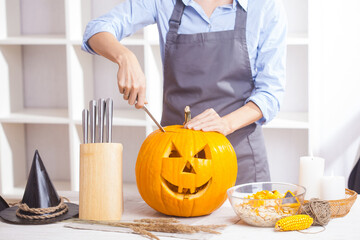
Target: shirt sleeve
[122, 21]
[270, 62]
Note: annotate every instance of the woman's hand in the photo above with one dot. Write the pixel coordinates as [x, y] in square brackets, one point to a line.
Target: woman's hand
[209, 121]
[131, 79]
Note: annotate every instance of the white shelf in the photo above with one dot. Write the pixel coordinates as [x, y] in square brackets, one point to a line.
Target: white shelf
[154, 43]
[136, 39]
[57, 40]
[41, 116]
[298, 39]
[128, 42]
[126, 118]
[34, 40]
[129, 189]
[129, 118]
[284, 120]
[292, 39]
[289, 120]
[18, 191]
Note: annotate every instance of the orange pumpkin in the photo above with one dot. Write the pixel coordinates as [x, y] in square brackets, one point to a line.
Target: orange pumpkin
[182, 172]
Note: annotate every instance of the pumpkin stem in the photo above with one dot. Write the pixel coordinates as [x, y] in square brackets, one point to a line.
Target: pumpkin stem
[187, 114]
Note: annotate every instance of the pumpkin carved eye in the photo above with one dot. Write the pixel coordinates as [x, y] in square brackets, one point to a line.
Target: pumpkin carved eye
[172, 152]
[204, 153]
[200, 154]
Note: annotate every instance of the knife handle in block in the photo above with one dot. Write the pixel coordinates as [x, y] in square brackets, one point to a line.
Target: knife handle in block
[109, 119]
[101, 116]
[85, 123]
[92, 110]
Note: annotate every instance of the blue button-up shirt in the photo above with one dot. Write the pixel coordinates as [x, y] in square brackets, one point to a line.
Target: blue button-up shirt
[266, 30]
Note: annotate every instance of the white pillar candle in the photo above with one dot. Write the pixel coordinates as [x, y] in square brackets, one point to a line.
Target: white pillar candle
[310, 173]
[332, 187]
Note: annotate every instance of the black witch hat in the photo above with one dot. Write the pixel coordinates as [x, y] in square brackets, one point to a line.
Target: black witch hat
[41, 203]
[3, 204]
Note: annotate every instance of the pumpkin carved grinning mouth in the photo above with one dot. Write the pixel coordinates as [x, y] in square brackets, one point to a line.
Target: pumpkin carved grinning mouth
[185, 193]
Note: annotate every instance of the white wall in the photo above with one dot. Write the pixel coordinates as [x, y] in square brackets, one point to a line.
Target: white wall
[336, 102]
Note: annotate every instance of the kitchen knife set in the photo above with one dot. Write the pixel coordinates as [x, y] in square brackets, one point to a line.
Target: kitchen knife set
[101, 163]
[100, 114]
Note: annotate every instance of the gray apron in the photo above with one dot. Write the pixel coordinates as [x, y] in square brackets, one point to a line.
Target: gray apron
[212, 70]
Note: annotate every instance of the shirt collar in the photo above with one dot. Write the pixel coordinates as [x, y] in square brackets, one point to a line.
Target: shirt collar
[243, 3]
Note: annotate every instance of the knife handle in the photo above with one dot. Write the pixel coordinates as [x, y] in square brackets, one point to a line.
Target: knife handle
[85, 122]
[109, 119]
[101, 115]
[92, 109]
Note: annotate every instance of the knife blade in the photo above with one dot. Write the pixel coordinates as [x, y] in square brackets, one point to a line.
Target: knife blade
[92, 110]
[85, 122]
[101, 115]
[152, 117]
[109, 119]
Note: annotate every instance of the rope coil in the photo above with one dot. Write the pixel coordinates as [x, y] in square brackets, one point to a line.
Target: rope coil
[42, 213]
[319, 210]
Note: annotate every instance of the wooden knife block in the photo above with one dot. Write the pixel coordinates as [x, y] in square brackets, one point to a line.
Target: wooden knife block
[101, 195]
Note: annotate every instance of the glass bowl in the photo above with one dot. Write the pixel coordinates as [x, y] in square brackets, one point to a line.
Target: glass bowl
[266, 212]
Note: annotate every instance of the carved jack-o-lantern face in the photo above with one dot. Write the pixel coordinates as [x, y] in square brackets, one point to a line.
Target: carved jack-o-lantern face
[184, 172]
[178, 172]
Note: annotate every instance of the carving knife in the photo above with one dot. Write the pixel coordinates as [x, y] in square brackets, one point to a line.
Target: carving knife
[101, 115]
[152, 117]
[85, 122]
[92, 110]
[109, 119]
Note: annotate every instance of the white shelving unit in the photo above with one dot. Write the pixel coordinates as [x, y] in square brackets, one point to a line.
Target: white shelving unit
[46, 81]
[289, 135]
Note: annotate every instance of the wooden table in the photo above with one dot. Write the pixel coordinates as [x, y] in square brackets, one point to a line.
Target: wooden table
[347, 227]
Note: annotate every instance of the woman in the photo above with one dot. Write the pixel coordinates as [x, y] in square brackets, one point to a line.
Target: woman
[223, 58]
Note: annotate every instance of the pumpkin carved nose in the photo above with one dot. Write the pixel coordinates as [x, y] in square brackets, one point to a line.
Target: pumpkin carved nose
[188, 168]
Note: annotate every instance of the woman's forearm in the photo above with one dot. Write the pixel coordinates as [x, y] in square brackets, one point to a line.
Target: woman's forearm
[105, 44]
[246, 115]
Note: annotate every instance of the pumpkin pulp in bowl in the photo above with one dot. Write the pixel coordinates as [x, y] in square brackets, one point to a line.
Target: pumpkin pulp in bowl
[264, 203]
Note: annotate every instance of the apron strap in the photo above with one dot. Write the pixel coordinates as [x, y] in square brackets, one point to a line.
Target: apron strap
[175, 20]
[240, 20]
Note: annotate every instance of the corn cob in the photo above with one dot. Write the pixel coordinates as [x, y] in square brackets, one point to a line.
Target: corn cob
[295, 222]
